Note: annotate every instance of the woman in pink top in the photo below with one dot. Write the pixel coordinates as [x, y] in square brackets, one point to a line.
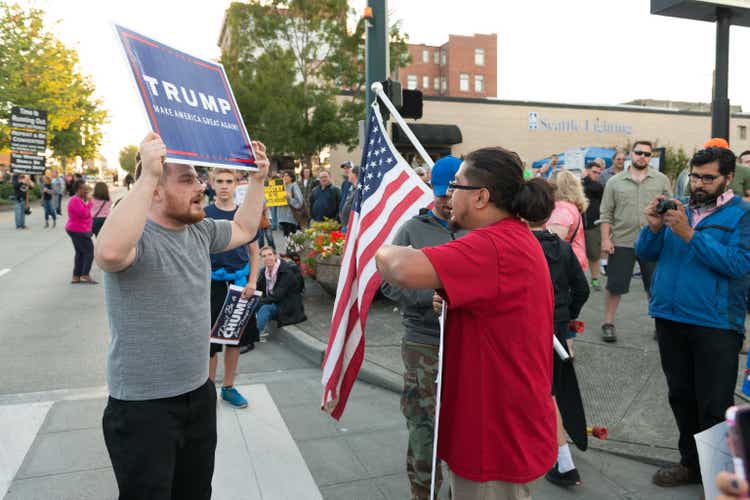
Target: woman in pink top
[566, 220]
[100, 207]
[78, 228]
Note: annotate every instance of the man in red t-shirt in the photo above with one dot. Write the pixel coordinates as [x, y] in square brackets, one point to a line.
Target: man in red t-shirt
[497, 421]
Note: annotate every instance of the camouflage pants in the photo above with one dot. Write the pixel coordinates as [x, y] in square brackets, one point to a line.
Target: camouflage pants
[418, 406]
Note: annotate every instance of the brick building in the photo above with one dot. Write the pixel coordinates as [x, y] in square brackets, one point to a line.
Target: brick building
[464, 66]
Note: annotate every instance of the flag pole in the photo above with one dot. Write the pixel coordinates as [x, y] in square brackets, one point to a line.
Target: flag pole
[438, 392]
[377, 87]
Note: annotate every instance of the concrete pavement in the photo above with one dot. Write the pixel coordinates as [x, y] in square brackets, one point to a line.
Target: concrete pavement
[53, 388]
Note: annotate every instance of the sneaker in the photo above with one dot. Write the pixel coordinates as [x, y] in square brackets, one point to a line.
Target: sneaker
[676, 475]
[570, 478]
[233, 397]
[596, 285]
[608, 333]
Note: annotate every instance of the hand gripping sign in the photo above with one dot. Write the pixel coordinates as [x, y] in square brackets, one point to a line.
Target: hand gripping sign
[189, 103]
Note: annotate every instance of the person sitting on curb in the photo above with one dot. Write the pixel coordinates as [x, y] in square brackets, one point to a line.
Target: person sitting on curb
[282, 285]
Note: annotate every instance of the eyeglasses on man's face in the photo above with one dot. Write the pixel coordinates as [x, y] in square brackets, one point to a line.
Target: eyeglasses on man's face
[639, 152]
[452, 186]
[705, 178]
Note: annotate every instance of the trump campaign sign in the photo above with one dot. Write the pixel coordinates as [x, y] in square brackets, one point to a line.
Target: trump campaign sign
[189, 103]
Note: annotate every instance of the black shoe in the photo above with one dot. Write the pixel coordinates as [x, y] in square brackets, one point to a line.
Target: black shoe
[608, 333]
[676, 475]
[247, 348]
[570, 478]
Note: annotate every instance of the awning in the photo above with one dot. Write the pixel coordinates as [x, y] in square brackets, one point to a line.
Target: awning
[428, 134]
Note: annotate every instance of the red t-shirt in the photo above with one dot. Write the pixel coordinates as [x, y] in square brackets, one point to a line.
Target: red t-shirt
[497, 419]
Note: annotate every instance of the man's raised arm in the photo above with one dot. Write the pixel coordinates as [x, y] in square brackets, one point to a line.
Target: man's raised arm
[115, 245]
[247, 218]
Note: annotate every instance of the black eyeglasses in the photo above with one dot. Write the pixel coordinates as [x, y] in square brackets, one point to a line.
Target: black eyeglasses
[705, 179]
[453, 185]
[643, 153]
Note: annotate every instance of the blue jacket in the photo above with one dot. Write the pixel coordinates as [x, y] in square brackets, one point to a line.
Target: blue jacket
[703, 282]
[324, 203]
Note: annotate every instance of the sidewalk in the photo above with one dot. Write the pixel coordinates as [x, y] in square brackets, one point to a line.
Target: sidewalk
[622, 384]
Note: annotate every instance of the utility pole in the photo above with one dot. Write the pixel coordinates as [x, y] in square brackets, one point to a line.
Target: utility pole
[720, 103]
[376, 45]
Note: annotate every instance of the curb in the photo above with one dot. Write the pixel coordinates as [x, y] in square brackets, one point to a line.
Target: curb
[314, 350]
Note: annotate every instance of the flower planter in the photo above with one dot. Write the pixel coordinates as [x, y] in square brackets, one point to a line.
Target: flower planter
[327, 272]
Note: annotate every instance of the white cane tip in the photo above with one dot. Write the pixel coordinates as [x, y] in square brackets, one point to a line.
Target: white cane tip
[376, 86]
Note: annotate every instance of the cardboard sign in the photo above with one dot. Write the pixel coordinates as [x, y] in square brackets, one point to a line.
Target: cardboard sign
[189, 103]
[275, 193]
[234, 315]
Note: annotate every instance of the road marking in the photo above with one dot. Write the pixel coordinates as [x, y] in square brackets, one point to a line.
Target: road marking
[20, 424]
[4, 271]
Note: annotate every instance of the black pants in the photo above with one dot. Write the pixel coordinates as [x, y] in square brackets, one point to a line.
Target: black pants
[84, 252]
[700, 365]
[288, 228]
[163, 449]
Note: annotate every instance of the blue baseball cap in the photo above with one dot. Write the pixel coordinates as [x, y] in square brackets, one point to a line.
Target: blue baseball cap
[443, 173]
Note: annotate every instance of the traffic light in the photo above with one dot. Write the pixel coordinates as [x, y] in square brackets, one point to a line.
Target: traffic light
[407, 102]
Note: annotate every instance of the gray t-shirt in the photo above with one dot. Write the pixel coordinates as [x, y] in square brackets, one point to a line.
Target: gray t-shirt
[159, 312]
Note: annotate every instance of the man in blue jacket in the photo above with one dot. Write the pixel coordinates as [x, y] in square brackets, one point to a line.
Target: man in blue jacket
[698, 298]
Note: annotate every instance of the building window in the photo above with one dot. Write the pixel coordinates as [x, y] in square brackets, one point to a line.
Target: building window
[478, 83]
[411, 82]
[443, 84]
[463, 82]
[436, 57]
[443, 57]
[425, 82]
[743, 132]
[436, 83]
[479, 57]
[425, 56]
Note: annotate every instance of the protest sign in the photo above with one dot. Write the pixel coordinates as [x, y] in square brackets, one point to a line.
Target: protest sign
[26, 164]
[234, 315]
[275, 193]
[33, 119]
[189, 103]
[713, 456]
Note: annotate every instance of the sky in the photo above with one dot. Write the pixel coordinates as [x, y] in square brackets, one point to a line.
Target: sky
[577, 51]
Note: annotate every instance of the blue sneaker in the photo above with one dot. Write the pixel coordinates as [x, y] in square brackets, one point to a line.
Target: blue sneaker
[233, 397]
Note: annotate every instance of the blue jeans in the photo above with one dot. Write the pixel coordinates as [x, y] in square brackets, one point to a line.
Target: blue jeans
[266, 234]
[264, 314]
[49, 210]
[57, 198]
[274, 218]
[20, 210]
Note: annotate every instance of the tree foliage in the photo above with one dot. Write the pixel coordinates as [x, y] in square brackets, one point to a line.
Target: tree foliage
[38, 71]
[287, 61]
[127, 158]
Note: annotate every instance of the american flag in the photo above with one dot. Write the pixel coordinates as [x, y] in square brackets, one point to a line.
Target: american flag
[389, 193]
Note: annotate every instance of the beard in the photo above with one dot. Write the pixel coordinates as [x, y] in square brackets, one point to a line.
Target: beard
[175, 209]
[702, 198]
[639, 167]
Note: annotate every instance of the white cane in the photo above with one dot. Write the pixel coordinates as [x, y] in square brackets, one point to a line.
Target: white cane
[438, 389]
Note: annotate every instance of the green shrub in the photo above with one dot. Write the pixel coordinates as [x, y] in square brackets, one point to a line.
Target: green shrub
[6, 191]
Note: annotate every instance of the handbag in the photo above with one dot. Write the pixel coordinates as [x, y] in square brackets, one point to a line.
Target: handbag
[265, 223]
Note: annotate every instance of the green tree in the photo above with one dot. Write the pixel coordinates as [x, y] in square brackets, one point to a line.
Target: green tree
[38, 71]
[288, 60]
[127, 158]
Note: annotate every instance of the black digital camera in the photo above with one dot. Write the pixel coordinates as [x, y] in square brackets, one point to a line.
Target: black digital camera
[664, 205]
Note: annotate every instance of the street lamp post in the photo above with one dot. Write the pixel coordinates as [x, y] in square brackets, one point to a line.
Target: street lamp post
[376, 45]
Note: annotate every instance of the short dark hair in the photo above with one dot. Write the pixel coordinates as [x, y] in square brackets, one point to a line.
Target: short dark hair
[268, 247]
[291, 174]
[501, 172]
[645, 143]
[725, 157]
[101, 191]
[746, 152]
